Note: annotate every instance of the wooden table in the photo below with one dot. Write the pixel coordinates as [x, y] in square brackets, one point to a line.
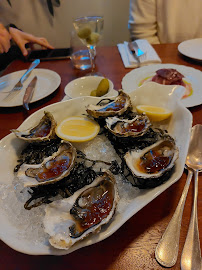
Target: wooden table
[132, 247]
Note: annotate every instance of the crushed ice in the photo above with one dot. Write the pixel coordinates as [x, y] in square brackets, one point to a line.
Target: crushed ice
[30, 222]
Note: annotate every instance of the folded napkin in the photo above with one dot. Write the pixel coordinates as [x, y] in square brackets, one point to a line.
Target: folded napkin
[151, 57]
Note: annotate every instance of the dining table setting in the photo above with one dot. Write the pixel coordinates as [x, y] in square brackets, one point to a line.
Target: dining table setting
[134, 236]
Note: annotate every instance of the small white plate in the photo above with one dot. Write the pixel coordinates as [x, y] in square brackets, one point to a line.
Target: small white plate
[179, 127]
[191, 48]
[192, 78]
[48, 81]
[83, 86]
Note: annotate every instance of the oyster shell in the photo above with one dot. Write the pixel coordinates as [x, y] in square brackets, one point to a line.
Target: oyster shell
[138, 126]
[70, 220]
[52, 169]
[121, 104]
[154, 161]
[44, 131]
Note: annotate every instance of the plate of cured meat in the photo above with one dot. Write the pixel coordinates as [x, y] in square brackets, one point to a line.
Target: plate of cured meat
[168, 74]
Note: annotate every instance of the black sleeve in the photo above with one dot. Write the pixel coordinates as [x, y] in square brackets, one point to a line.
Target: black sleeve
[11, 25]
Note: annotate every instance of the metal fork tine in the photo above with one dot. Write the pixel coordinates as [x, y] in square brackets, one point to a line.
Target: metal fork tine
[139, 52]
[14, 91]
[11, 95]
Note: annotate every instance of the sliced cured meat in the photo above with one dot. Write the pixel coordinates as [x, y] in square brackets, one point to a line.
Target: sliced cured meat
[169, 74]
[168, 77]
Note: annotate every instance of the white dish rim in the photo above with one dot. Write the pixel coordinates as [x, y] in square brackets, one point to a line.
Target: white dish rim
[71, 84]
[182, 48]
[132, 79]
[41, 249]
[49, 79]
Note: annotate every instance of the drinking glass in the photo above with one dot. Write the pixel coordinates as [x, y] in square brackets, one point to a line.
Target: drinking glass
[80, 56]
[89, 30]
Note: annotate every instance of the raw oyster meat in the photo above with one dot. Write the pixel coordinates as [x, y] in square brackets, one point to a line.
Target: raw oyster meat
[154, 161]
[121, 104]
[70, 220]
[52, 169]
[138, 126]
[44, 131]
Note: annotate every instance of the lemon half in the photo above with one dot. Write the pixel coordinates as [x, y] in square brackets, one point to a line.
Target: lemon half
[154, 113]
[77, 129]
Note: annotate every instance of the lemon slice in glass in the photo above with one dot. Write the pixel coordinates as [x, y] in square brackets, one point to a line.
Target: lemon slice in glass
[154, 113]
[77, 129]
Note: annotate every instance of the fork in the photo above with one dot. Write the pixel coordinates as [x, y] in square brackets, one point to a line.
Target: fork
[136, 51]
[19, 84]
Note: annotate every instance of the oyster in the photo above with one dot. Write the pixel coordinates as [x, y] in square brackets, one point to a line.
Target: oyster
[138, 126]
[44, 131]
[121, 104]
[70, 220]
[52, 169]
[152, 162]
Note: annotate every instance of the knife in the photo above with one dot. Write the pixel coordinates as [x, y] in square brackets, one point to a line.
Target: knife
[29, 93]
[132, 50]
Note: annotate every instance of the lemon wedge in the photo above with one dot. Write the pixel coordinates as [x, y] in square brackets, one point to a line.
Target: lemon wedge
[77, 129]
[154, 113]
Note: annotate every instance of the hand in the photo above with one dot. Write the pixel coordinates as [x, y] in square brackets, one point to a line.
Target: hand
[5, 38]
[23, 38]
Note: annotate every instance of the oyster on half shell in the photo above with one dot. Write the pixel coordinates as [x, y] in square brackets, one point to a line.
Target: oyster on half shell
[154, 161]
[45, 130]
[52, 169]
[135, 127]
[70, 220]
[121, 104]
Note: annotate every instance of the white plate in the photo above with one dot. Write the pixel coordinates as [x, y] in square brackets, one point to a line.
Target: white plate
[83, 86]
[191, 48]
[48, 81]
[193, 78]
[179, 127]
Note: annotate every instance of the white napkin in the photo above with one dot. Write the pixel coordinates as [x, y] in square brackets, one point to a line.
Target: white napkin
[151, 57]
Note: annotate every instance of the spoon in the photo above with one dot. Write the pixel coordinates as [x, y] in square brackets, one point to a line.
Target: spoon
[167, 249]
[191, 254]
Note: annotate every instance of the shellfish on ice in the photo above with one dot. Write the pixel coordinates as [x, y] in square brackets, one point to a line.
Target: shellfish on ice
[121, 104]
[52, 169]
[69, 220]
[153, 161]
[45, 130]
[135, 127]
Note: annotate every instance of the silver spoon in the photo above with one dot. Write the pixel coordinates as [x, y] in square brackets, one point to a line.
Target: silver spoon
[191, 254]
[167, 249]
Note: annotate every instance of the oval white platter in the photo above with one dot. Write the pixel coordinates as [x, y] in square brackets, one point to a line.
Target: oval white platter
[179, 127]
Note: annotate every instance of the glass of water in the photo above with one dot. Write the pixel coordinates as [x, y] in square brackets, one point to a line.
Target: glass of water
[80, 55]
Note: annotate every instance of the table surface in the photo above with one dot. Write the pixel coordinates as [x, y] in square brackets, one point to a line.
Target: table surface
[133, 245]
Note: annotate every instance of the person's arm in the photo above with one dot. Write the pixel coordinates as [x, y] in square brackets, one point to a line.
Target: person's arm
[22, 38]
[142, 22]
[5, 38]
